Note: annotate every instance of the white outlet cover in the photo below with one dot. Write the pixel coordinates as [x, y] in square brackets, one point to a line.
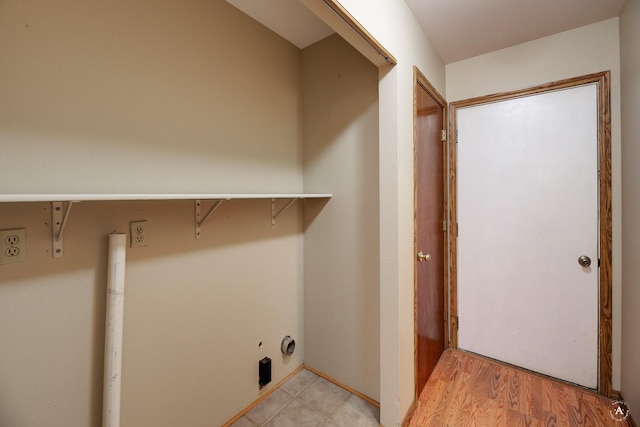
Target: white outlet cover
[13, 246]
[138, 230]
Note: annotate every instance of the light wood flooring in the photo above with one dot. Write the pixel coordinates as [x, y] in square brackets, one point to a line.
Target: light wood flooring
[466, 390]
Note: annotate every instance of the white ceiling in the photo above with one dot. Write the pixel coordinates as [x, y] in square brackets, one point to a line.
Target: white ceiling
[458, 29]
[461, 29]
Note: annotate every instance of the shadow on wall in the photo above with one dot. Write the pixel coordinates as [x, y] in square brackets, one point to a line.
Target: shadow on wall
[170, 228]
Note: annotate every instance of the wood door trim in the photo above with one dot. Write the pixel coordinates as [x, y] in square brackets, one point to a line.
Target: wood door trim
[420, 80]
[362, 32]
[605, 213]
[333, 13]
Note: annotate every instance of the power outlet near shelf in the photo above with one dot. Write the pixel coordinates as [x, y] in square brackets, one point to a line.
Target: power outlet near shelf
[138, 234]
[13, 246]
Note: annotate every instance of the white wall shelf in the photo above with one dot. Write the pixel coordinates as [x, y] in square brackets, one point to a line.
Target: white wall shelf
[5, 198]
[61, 206]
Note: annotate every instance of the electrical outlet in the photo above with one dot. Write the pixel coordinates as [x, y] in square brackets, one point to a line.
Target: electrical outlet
[138, 234]
[13, 246]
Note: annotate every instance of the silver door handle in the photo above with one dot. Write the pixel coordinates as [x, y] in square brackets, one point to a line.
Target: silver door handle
[423, 257]
[584, 261]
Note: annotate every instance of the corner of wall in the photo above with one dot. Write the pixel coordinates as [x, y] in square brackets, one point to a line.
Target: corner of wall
[630, 64]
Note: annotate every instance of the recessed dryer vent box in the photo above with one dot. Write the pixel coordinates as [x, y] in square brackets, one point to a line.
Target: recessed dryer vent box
[264, 372]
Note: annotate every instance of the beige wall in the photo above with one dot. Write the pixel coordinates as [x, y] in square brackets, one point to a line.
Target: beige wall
[190, 97]
[182, 97]
[194, 313]
[569, 54]
[341, 255]
[630, 71]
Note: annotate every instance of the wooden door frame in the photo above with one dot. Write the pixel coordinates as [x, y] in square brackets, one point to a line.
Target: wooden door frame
[602, 80]
[419, 80]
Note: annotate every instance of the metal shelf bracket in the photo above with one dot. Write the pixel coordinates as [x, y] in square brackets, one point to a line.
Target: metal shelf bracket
[201, 219]
[275, 215]
[59, 216]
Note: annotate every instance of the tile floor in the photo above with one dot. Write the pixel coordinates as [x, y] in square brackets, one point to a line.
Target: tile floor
[307, 400]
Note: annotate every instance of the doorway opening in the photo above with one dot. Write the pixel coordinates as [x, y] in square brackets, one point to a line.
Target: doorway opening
[601, 267]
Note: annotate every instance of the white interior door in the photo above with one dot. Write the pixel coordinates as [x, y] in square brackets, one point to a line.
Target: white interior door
[527, 210]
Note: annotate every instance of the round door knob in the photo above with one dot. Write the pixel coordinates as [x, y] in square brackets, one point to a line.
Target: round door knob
[584, 261]
[423, 257]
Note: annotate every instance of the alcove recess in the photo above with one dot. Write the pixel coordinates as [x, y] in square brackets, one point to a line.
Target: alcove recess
[204, 206]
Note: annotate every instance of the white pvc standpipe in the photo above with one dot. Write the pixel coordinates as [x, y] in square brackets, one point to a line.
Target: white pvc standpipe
[113, 331]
